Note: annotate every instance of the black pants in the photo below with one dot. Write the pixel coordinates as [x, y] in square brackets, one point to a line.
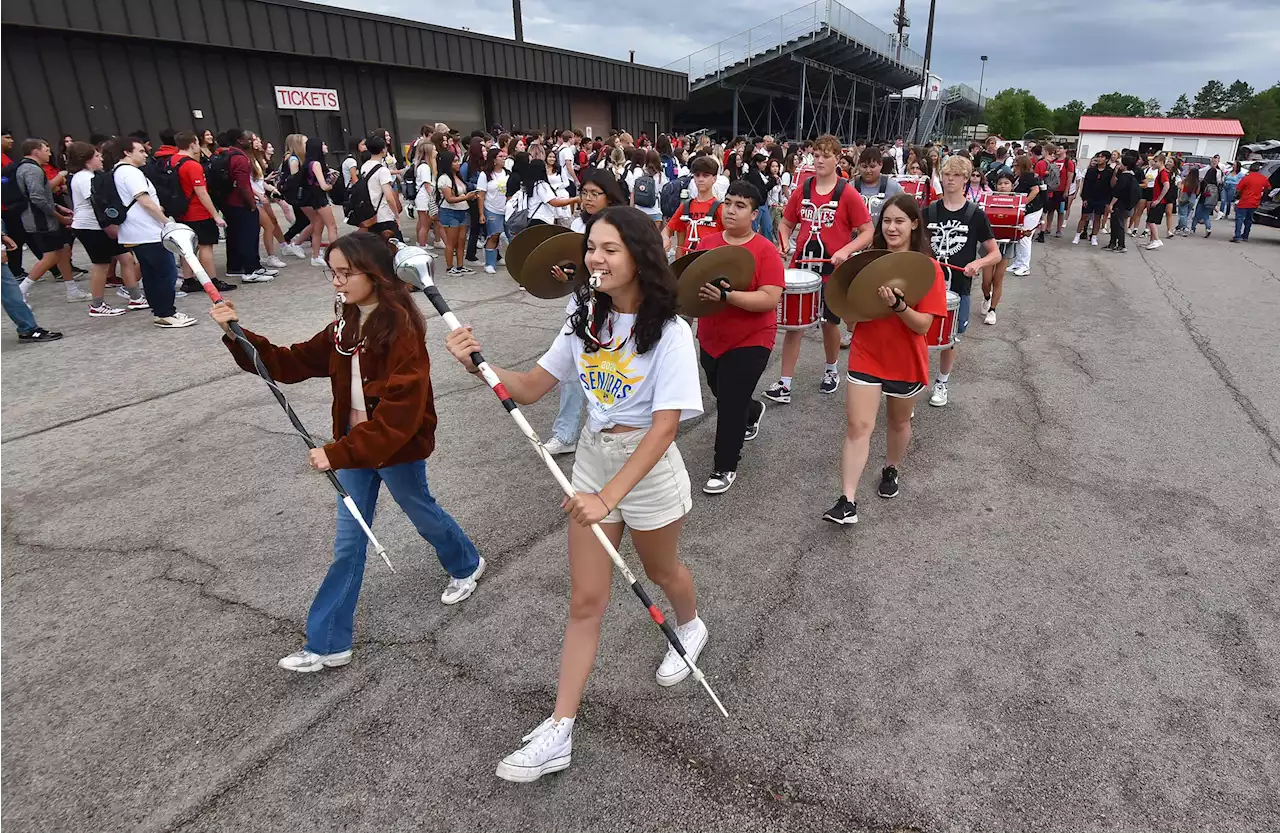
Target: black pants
[1118, 217]
[243, 228]
[476, 234]
[13, 228]
[732, 379]
[300, 222]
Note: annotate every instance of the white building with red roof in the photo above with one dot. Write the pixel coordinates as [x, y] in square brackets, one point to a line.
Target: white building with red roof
[1198, 137]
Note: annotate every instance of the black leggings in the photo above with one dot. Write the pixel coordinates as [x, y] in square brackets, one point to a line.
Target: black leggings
[300, 222]
[732, 379]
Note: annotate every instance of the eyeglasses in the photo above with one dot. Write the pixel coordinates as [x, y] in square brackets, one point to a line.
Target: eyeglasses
[340, 277]
[592, 193]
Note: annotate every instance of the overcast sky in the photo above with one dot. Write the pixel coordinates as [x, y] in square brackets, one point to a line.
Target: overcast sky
[1057, 53]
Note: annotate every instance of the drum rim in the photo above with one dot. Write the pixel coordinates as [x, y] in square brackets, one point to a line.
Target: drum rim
[812, 283]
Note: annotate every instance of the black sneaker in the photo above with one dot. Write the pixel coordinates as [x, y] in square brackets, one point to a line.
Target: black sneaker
[191, 285]
[753, 428]
[221, 285]
[39, 334]
[888, 482]
[779, 393]
[844, 512]
[830, 381]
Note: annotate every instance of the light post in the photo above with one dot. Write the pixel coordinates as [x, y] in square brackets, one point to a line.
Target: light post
[981, 78]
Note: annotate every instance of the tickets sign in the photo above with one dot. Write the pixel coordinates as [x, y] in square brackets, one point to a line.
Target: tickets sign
[306, 98]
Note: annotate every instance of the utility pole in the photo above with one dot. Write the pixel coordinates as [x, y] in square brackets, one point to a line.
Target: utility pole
[924, 86]
[515, 8]
[981, 78]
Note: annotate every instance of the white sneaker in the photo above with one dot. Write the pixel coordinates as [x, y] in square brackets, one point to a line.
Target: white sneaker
[305, 661]
[462, 588]
[1075, 241]
[104, 310]
[274, 262]
[549, 748]
[990, 317]
[178, 293]
[1093, 241]
[1154, 244]
[1021, 272]
[939, 397]
[986, 305]
[846, 337]
[555, 446]
[719, 482]
[260, 276]
[140, 302]
[175, 321]
[489, 270]
[317, 261]
[439, 244]
[75, 294]
[121, 292]
[295, 250]
[693, 636]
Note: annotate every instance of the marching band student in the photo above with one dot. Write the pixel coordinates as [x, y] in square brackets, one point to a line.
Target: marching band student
[735, 342]
[873, 184]
[634, 357]
[958, 230]
[1030, 184]
[993, 278]
[384, 418]
[698, 214]
[831, 212]
[888, 356]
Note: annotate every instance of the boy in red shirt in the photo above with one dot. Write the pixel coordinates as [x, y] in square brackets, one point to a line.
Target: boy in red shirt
[698, 215]
[735, 342]
[201, 214]
[1249, 191]
[828, 211]
[1056, 200]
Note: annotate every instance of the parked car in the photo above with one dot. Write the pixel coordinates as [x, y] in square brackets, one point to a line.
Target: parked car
[1268, 213]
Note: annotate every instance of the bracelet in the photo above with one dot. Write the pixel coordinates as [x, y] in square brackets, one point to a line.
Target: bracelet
[607, 507]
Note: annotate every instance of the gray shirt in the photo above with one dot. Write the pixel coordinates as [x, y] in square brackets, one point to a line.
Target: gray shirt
[874, 197]
[39, 215]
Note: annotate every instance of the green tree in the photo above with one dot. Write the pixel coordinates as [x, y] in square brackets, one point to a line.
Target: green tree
[1066, 119]
[1211, 101]
[1238, 95]
[1006, 113]
[1118, 104]
[1037, 112]
[1260, 116]
[1181, 108]
[1152, 106]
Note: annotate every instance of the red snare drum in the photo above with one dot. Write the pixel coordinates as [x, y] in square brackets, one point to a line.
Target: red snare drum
[801, 305]
[1006, 213]
[916, 186]
[942, 334]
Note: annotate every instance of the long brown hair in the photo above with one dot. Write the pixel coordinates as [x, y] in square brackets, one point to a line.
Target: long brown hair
[906, 203]
[397, 316]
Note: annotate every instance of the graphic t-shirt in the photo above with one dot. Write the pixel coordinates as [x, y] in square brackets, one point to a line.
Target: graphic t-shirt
[191, 174]
[956, 241]
[694, 223]
[824, 228]
[624, 387]
[888, 349]
[734, 327]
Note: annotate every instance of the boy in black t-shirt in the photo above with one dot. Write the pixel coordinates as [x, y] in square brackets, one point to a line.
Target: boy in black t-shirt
[958, 230]
[1125, 194]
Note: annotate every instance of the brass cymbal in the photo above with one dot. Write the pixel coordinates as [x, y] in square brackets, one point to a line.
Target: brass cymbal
[911, 273]
[836, 290]
[734, 263]
[563, 250]
[523, 244]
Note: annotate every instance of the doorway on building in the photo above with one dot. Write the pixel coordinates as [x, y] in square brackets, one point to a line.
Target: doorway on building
[1149, 145]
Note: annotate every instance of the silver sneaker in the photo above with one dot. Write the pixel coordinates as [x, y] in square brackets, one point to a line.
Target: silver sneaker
[305, 661]
[460, 589]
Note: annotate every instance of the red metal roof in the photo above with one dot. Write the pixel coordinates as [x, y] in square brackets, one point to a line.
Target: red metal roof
[1161, 127]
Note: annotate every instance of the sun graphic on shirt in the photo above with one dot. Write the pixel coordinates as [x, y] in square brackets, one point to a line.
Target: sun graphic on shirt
[608, 375]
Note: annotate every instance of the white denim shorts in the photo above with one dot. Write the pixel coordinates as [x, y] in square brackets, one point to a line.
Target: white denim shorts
[663, 496]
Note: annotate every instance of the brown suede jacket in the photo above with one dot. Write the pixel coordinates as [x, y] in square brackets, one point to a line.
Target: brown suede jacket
[397, 394]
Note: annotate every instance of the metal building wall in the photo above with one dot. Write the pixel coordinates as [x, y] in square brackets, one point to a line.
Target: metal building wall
[640, 115]
[528, 106]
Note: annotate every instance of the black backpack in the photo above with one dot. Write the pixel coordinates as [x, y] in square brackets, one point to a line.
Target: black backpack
[410, 180]
[646, 188]
[359, 207]
[164, 176]
[108, 209]
[13, 197]
[670, 198]
[835, 194]
[218, 179]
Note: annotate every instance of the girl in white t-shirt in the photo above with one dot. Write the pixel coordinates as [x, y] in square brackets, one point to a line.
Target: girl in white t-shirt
[424, 203]
[493, 209]
[636, 362]
[652, 167]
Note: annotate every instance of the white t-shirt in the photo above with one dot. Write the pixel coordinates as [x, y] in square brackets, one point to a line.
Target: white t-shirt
[659, 180]
[83, 217]
[459, 188]
[348, 165]
[578, 225]
[623, 387]
[566, 157]
[495, 190]
[138, 226]
[386, 211]
[426, 189]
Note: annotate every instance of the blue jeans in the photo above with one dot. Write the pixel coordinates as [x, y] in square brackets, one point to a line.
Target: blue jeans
[15, 307]
[1228, 197]
[1185, 210]
[1244, 222]
[158, 276]
[569, 418]
[1204, 214]
[763, 223]
[331, 619]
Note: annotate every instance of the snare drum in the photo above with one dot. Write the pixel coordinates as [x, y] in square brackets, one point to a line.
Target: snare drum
[916, 186]
[1006, 213]
[801, 305]
[942, 333]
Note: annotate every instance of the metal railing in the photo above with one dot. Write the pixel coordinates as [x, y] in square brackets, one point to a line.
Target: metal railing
[958, 92]
[773, 36]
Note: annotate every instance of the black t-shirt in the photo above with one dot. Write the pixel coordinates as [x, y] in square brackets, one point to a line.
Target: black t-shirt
[1024, 185]
[955, 240]
[1127, 192]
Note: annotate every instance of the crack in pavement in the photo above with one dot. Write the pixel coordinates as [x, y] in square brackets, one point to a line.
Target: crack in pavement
[1258, 266]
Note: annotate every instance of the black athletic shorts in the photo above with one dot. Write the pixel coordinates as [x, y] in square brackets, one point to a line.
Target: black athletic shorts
[1096, 207]
[827, 315]
[43, 242]
[1156, 213]
[898, 390]
[1147, 194]
[206, 231]
[99, 245]
[1053, 201]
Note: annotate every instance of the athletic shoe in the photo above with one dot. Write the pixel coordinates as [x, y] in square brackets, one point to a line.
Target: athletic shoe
[1121, 250]
[753, 428]
[986, 305]
[990, 317]
[1022, 273]
[189, 285]
[939, 396]
[719, 482]
[439, 244]
[121, 292]
[293, 249]
[549, 748]
[178, 293]
[1075, 241]
[1233, 240]
[1040, 237]
[779, 393]
[317, 261]
[555, 446]
[1154, 244]
[846, 337]
[39, 334]
[453, 270]
[830, 382]
[274, 262]
[1093, 241]
[75, 294]
[140, 302]
[305, 661]
[104, 310]
[844, 512]
[489, 270]
[260, 276]
[1058, 233]
[78, 270]
[1133, 232]
[462, 588]
[693, 636]
[465, 270]
[888, 482]
[1206, 234]
[175, 321]
[223, 286]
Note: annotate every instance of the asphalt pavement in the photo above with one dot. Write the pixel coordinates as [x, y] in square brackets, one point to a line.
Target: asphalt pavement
[1068, 621]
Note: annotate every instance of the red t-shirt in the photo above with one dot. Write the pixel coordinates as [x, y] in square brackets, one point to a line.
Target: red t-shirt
[733, 327]
[1250, 189]
[696, 224]
[191, 175]
[887, 349]
[835, 226]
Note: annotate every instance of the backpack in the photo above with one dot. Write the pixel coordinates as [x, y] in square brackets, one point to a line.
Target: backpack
[993, 173]
[13, 197]
[669, 199]
[1052, 176]
[108, 209]
[359, 206]
[169, 193]
[519, 213]
[410, 182]
[645, 189]
[219, 178]
[669, 167]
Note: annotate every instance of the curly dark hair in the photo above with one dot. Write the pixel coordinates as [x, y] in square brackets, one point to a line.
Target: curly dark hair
[653, 273]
